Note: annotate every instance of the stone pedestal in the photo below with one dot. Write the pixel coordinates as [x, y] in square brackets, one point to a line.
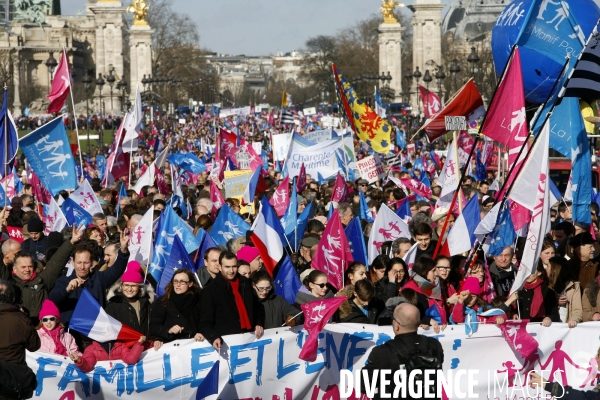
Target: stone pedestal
[108, 49]
[140, 55]
[427, 40]
[390, 40]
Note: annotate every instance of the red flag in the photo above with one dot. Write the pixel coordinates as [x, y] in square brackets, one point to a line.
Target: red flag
[216, 196]
[333, 252]
[40, 192]
[418, 187]
[15, 233]
[281, 198]
[431, 102]
[517, 337]
[340, 190]
[163, 186]
[301, 182]
[61, 85]
[120, 164]
[227, 145]
[316, 314]
[466, 102]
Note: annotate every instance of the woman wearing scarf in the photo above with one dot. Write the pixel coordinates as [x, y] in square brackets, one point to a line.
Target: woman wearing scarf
[53, 337]
[426, 284]
[174, 315]
[536, 301]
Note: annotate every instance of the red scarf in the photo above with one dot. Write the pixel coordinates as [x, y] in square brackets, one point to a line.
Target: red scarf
[239, 303]
[537, 303]
[55, 335]
[30, 279]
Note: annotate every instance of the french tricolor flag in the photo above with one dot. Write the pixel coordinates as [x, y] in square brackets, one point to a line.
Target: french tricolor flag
[91, 320]
[256, 184]
[266, 236]
[463, 228]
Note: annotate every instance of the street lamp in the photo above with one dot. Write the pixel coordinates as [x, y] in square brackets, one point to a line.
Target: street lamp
[100, 83]
[473, 59]
[122, 85]
[144, 82]
[440, 76]
[87, 81]
[454, 70]
[427, 78]
[111, 81]
[417, 75]
[51, 63]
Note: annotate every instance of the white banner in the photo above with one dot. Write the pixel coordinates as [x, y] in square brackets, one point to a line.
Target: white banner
[331, 122]
[318, 158]
[371, 169]
[310, 111]
[281, 143]
[270, 366]
[318, 136]
[242, 112]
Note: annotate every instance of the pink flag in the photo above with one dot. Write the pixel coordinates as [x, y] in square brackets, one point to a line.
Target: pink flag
[316, 314]
[163, 186]
[465, 144]
[8, 184]
[281, 198]
[227, 145]
[40, 192]
[340, 190]
[517, 337]
[431, 102]
[301, 182]
[61, 85]
[418, 187]
[333, 252]
[15, 233]
[215, 196]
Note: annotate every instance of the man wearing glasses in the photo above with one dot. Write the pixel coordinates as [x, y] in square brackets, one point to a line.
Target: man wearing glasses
[228, 305]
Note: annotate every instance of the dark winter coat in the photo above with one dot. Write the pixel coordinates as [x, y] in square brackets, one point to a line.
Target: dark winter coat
[30, 295]
[97, 284]
[550, 304]
[276, 310]
[220, 316]
[18, 335]
[350, 312]
[165, 315]
[120, 308]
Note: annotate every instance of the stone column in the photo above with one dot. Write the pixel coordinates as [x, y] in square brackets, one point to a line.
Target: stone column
[140, 50]
[390, 40]
[16, 112]
[427, 39]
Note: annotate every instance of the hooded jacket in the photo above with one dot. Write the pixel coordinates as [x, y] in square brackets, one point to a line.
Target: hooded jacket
[48, 346]
[18, 335]
[118, 351]
[120, 308]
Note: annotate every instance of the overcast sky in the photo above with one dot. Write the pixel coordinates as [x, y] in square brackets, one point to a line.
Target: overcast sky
[263, 27]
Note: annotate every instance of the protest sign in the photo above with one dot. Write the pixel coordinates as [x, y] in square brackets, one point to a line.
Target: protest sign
[257, 146]
[236, 182]
[310, 111]
[330, 122]
[280, 146]
[318, 136]
[371, 168]
[270, 367]
[318, 158]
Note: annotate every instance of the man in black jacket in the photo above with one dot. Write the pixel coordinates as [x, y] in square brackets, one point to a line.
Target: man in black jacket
[503, 272]
[394, 354]
[228, 304]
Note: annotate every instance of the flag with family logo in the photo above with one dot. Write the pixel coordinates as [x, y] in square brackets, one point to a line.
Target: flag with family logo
[140, 239]
[85, 197]
[75, 214]
[227, 226]
[170, 225]
[54, 219]
[178, 259]
[333, 254]
[281, 197]
[316, 314]
[48, 152]
[387, 226]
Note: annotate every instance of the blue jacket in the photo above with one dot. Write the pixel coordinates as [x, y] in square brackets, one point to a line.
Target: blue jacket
[97, 284]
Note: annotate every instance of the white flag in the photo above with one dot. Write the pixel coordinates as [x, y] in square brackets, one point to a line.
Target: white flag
[55, 219]
[448, 178]
[387, 226]
[85, 197]
[132, 124]
[140, 239]
[147, 179]
[540, 219]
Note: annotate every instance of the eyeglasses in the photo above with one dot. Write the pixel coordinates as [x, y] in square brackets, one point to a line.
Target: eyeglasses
[263, 289]
[321, 285]
[177, 282]
[52, 319]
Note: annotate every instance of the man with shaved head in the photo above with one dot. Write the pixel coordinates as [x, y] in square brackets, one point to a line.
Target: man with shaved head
[402, 352]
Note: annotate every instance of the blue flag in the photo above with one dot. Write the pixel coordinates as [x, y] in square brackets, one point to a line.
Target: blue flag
[178, 259]
[481, 168]
[342, 160]
[75, 214]
[207, 243]
[356, 241]
[49, 154]
[287, 282]
[192, 164]
[228, 225]
[434, 313]
[365, 213]
[581, 165]
[122, 193]
[504, 234]
[288, 221]
[7, 126]
[17, 182]
[296, 231]
[101, 166]
[400, 139]
[330, 214]
[596, 198]
[175, 159]
[169, 225]
[404, 210]
[210, 383]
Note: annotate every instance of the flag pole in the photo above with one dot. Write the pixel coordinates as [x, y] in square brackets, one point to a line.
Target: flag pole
[74, 115]
[455, 149]
[6, 143]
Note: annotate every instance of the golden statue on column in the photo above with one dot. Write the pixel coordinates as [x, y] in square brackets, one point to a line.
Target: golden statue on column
[139, 8]
[387, 9]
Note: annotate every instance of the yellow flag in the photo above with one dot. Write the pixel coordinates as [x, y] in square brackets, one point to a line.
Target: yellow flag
[284, 102]
[368, 126]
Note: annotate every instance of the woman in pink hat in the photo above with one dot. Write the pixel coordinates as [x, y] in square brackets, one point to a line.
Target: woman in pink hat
[52, 334]
[469, 301]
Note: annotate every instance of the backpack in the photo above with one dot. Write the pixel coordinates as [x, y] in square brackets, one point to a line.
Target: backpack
[418, 358]
[16, 381]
